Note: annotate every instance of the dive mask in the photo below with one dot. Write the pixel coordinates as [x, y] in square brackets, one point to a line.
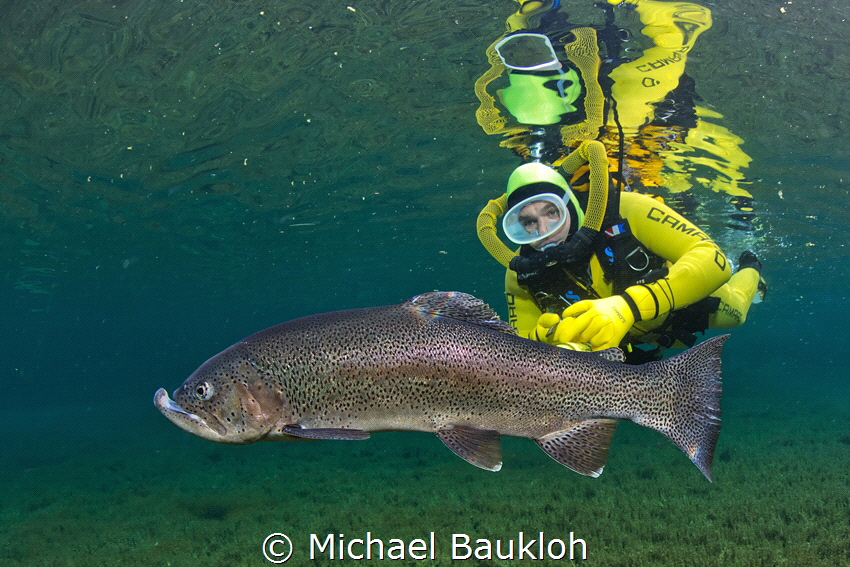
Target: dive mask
[514, 224]
[528, 52]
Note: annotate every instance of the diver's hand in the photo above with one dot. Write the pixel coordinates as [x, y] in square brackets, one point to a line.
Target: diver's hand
[601, 322]
[544, 332]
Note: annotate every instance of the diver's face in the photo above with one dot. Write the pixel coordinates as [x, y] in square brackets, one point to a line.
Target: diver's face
[540, 216]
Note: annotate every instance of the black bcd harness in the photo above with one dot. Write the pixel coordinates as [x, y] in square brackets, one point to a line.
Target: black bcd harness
[560, 276]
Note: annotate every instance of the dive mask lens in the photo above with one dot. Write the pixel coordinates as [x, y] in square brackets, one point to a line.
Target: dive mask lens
[528, 52]
[522, 227]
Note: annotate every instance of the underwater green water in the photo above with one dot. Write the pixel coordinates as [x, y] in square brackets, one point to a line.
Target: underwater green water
[175, 176]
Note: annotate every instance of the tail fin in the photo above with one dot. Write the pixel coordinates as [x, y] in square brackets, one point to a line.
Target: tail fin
[692, 420]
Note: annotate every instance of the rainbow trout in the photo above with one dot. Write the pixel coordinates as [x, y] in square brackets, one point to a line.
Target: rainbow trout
[444, 363]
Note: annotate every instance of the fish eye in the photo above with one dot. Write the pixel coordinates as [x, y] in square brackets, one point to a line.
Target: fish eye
[204, 391]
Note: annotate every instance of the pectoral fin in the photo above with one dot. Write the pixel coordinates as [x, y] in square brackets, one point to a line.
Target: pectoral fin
[583, 447]
[329, 433]
[480, 447]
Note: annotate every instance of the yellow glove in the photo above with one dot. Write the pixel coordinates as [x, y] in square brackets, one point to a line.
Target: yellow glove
[601, 322]
[544, 332]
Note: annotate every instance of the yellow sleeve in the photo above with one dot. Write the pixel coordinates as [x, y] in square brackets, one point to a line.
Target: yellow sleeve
[522, 312]
[698, 267]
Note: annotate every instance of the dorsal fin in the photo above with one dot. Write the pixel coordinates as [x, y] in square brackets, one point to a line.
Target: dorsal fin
[460, 306]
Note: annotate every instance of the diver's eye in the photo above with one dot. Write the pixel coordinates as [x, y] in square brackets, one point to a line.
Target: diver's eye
[553, 213]
[204, 391]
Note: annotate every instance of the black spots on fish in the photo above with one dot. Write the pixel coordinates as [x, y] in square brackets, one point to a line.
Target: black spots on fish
[355, 369]
[686, 400]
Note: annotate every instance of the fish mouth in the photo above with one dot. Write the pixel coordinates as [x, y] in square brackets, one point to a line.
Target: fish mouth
[188, 421]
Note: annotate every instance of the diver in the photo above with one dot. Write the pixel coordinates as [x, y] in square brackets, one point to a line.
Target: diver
[601, 265]
[650, 277]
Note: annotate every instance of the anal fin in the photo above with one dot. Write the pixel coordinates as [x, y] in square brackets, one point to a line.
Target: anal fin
[326, 433]
[480, 447]
[583, 447]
